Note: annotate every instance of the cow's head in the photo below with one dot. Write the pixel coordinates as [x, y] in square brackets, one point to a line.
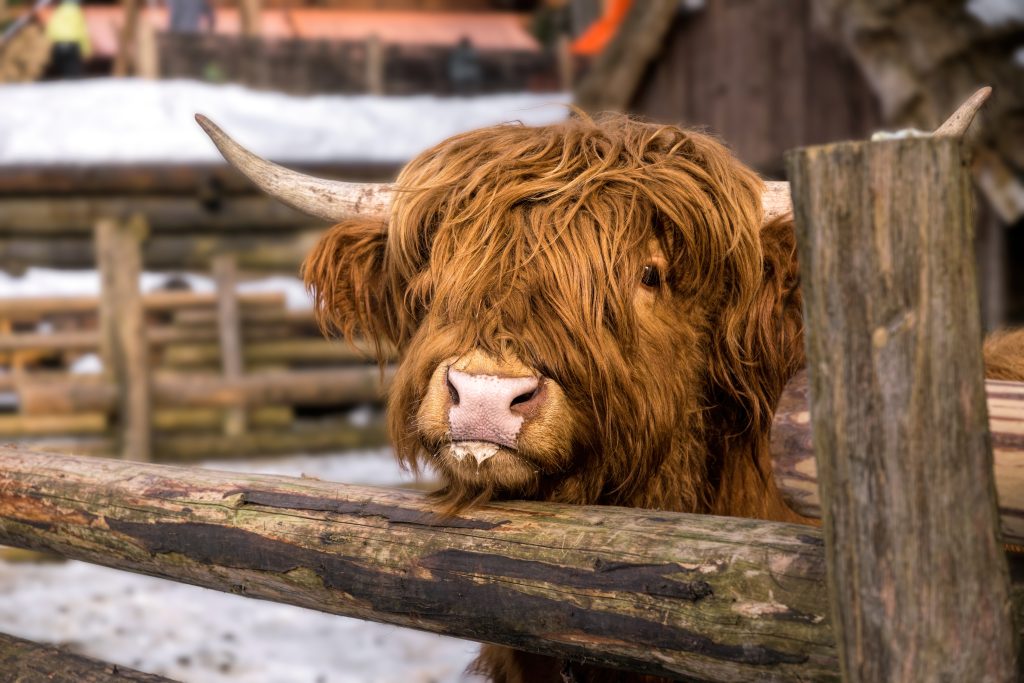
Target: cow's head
[579, 308]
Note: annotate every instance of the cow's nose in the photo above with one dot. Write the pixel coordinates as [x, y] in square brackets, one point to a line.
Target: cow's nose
[490, 408]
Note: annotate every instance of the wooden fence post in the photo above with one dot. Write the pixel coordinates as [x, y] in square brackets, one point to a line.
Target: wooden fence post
[123, 345]
[917, 577]
[229, 325]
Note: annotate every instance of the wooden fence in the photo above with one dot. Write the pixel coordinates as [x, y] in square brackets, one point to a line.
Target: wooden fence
[906, 581]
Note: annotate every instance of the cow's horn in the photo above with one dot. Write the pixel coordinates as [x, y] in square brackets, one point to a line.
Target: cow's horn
[778, 202]
[331, 200]
[957, 124]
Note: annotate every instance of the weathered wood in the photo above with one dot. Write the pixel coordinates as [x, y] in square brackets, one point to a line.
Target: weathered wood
[69, 215]
[156, 335]
[329, 436]
[686, 596]
[208, 183]
[34, 308]
[323, 436]
[917, 576]
[57, 394]
[22, 661]
[796, 472]
[292, 351]
[264, 251]
[123, 346]
[41, 425]
[229, 327]
[213, 419]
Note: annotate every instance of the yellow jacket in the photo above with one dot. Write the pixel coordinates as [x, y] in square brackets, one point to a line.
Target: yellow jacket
[67, 25]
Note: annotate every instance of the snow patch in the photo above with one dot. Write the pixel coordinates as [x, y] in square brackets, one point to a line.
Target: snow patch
[137, 121]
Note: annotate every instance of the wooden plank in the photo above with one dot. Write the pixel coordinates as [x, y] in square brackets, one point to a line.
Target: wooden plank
[690, 597]
[229, 326]
[23, 661]
[918, 578]
[124, 350]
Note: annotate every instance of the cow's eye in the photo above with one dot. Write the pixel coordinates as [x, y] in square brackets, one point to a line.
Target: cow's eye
[651, 276]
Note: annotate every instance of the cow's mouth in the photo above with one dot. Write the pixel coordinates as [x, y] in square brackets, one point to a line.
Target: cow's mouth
[474, 451]
[483, 462]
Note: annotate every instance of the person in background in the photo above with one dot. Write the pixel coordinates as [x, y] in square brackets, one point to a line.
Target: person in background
[69, 36]
[187, 16]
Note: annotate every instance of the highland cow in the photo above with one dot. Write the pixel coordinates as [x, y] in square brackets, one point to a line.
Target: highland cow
[594, 312]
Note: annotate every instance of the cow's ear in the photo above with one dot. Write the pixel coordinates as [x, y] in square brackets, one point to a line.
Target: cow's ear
[778, 307]
[345, 275]
[759, 342]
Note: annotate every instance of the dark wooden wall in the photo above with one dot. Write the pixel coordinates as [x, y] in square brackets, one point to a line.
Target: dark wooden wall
[304, 67]
[759, 74]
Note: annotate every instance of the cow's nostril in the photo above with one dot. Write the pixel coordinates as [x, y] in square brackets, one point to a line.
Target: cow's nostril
[452, 391]
[523, 398]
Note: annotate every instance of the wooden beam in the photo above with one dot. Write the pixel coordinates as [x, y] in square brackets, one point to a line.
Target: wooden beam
[918, 578]
[676, 595]
[123, 346]
[23, 661]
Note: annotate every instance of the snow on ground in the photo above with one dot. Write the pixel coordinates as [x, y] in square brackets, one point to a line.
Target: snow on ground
[51, 282]
[123, 120]
[197, 635]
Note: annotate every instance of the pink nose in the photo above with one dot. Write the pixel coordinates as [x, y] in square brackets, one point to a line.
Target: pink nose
[490, 408]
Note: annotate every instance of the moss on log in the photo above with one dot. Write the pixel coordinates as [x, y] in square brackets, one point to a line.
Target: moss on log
[684, 596]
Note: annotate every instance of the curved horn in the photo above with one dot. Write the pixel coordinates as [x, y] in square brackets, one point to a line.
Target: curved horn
[776, 198]
[957, 124]
[331, 200]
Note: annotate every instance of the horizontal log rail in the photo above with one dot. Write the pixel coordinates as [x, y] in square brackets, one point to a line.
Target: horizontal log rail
[683, 596]
[33, 308]
[63, 394]
[23, 661]
[796, 472]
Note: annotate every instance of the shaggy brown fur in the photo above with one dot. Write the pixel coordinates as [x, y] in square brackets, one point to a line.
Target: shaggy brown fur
[520, 250]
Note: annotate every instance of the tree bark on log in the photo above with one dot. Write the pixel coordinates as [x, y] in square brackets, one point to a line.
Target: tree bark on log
[683, 596]
[22, 661]
[917, 576]
[320, 387]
